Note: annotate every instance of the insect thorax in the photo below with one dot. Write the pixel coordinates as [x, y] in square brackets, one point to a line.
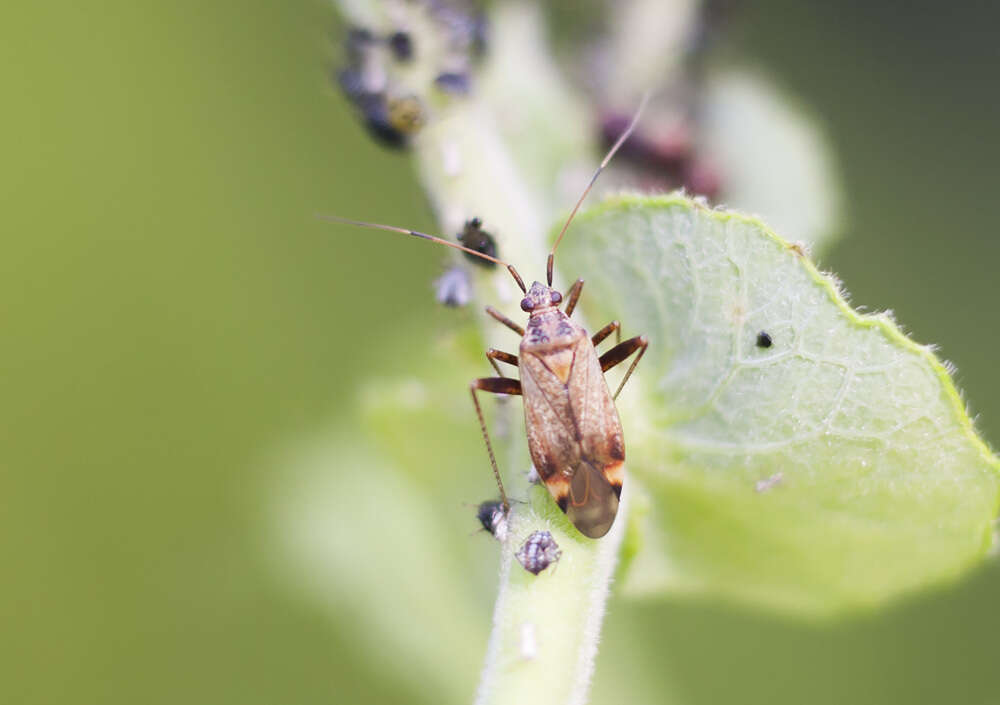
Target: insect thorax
[550, 327]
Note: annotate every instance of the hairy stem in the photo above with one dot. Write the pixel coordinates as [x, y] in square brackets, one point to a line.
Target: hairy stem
[546, 627]
[515, 153]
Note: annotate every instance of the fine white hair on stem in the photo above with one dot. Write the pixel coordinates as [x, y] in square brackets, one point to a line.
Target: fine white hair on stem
[546, 628]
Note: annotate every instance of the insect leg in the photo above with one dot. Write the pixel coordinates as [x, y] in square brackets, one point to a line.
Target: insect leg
[613, 327]
[496, 385]
[506, 321]
[574, 296]
[493, 355]
[620, 353]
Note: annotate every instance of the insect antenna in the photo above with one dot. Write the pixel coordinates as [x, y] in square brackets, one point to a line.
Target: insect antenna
[621, 140]
[425, 236]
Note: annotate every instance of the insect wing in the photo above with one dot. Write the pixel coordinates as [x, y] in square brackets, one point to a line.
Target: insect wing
[574, 434]
[552, 437]
[596, 416]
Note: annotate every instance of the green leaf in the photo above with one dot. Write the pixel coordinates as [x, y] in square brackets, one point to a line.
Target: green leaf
[773, 155]
[374, 520]
[834, 469]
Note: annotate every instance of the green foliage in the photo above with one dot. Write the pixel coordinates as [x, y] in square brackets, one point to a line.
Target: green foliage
[833, 468]
[748, 124]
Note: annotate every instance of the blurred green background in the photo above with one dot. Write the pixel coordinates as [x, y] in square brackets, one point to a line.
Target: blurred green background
[172, 315]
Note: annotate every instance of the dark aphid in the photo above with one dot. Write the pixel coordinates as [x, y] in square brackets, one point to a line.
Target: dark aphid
[375, 111]
[351, 82]
[359, 40]
[538, 552]
[453, 288]
[493, 517]
[454, 83]
[390, 118]
[406, 114]
[401, 45]
[475, 238]
[764, 339]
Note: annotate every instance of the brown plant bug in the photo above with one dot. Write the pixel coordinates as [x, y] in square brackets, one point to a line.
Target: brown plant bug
[574, 433]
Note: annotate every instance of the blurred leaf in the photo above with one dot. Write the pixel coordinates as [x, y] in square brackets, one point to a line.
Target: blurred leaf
[369, 522]
[773, 156]
[647, 43]
[397, 558]
[833, 468]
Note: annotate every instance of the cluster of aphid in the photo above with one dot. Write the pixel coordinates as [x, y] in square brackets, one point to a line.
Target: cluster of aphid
[386, 80]
[374, 77]
[536, 553]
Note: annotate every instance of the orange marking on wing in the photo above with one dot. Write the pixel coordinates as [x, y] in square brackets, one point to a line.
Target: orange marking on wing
[614, 472]
[558, 486]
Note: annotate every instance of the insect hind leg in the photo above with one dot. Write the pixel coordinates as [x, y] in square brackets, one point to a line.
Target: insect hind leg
[495, 385]
[622, 352]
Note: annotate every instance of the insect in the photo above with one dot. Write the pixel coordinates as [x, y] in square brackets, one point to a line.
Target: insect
[764, 339]
[453, 288]
[453, 82]
[574, 433]
[475, 238]
[493, 517]
[391, 115]
[538, 552]
[401, 45]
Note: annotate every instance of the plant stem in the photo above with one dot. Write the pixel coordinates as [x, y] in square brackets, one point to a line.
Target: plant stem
[546, 627]
[501, 154]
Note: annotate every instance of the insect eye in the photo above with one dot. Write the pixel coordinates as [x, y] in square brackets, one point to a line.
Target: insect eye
[556, 297]
[526, 304]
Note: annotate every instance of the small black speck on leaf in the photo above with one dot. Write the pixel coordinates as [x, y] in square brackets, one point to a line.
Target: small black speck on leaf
[764, 339]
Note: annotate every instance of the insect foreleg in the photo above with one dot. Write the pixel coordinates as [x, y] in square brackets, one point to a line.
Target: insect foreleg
[496, 385]
[574, 296]
[620, 353]
[494, 355]
[613, 327]
[506, 321]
